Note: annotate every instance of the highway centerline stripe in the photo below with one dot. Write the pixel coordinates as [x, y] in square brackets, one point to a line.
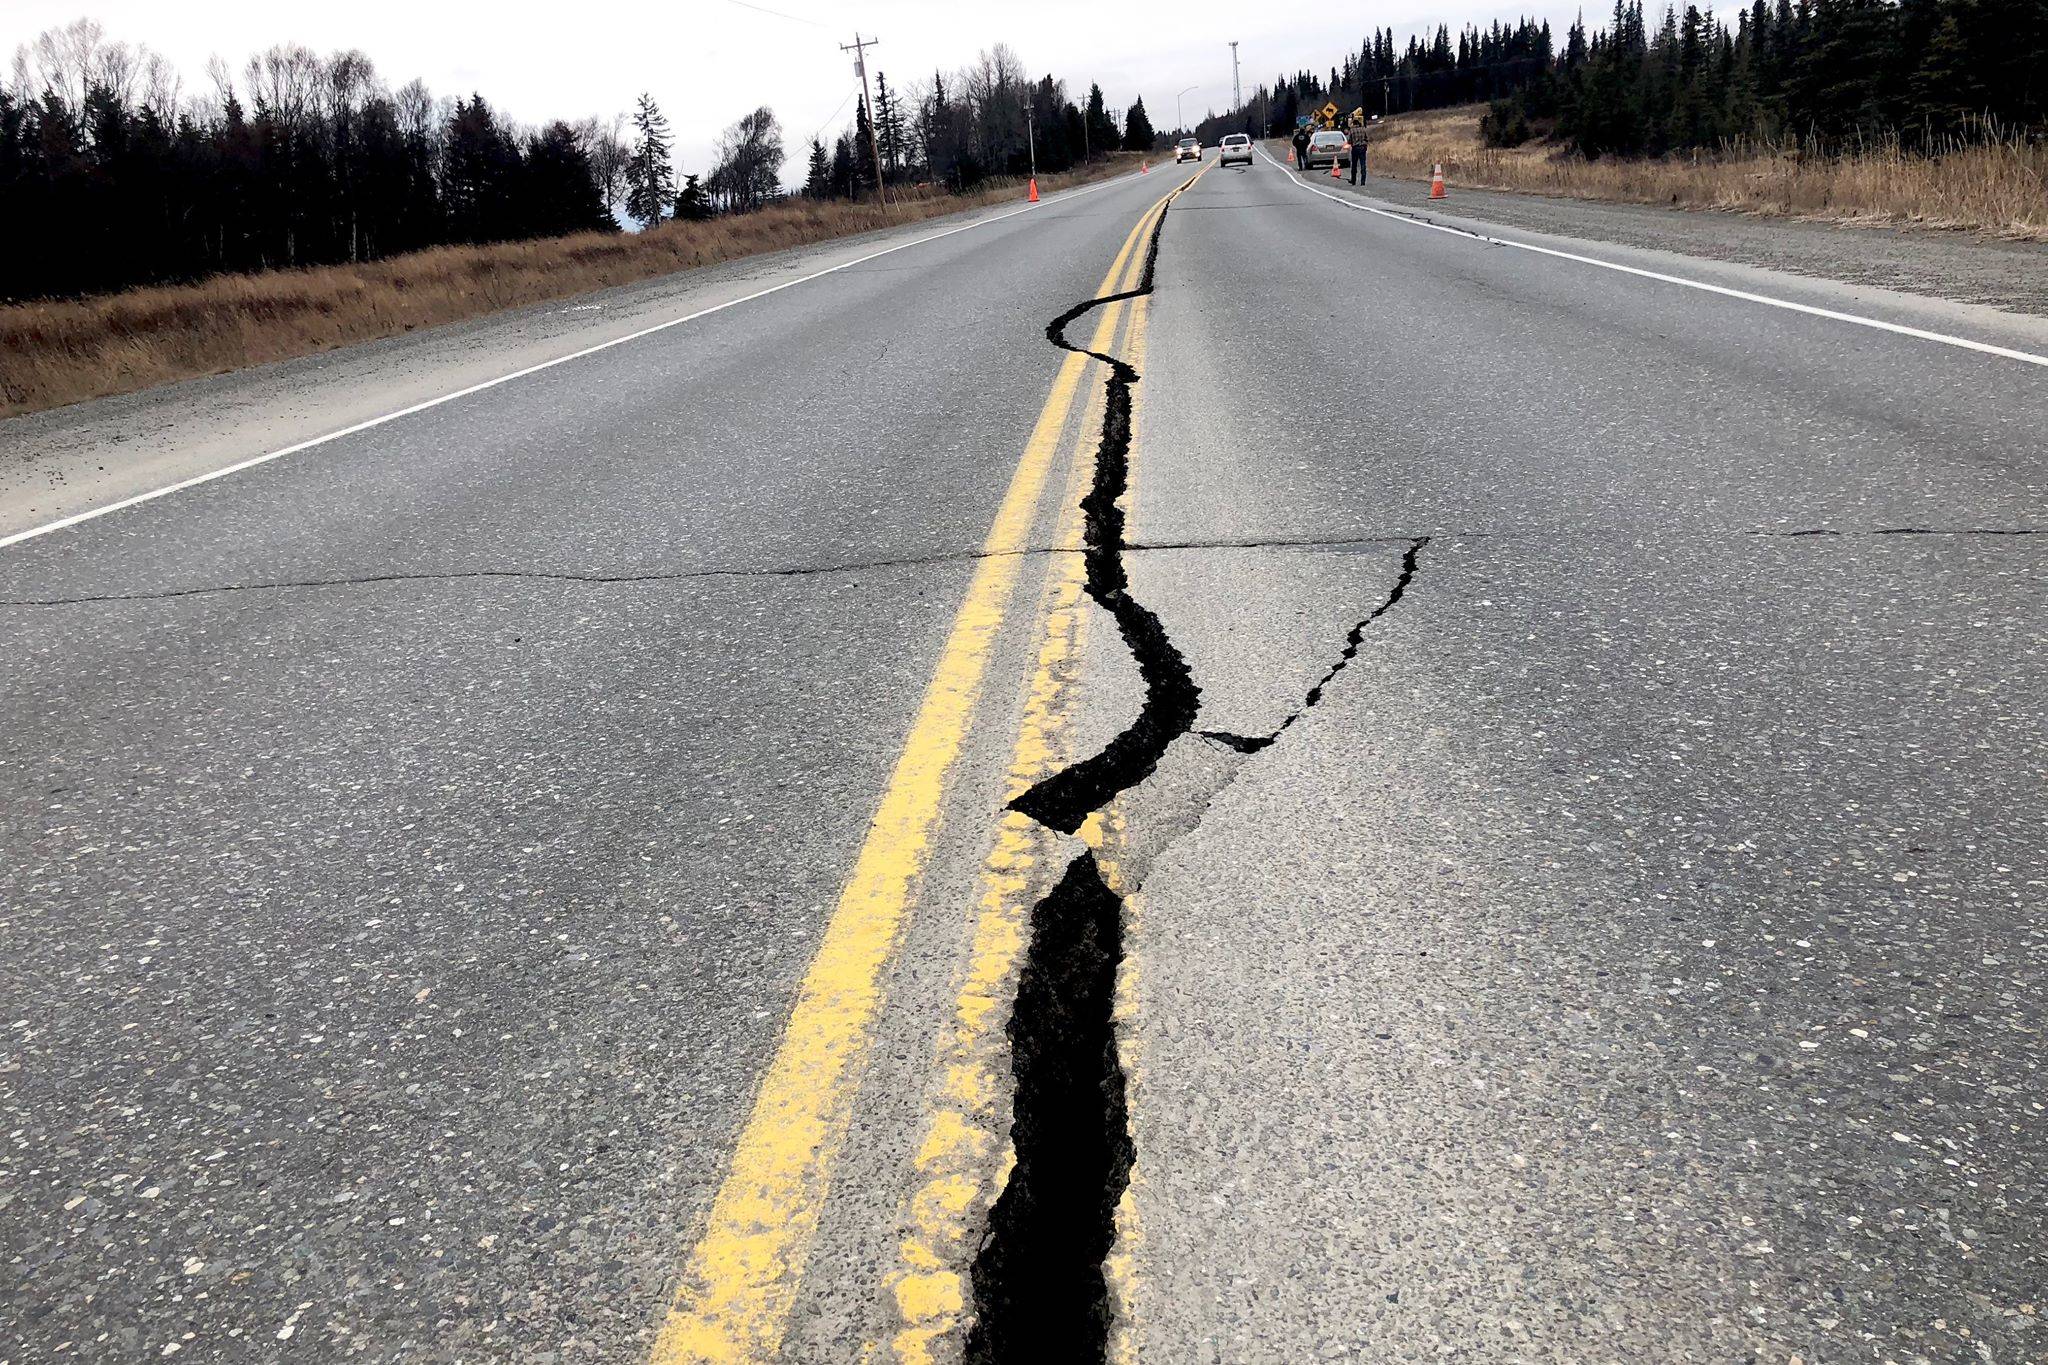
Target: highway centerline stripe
[1855, 319]
[954, 1160]
[152, 495]
[733, 1301]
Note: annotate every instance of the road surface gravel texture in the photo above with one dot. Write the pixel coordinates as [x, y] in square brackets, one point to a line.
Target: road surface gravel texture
[1593, 911]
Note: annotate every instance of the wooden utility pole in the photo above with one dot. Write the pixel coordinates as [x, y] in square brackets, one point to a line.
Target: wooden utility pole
[858, 47]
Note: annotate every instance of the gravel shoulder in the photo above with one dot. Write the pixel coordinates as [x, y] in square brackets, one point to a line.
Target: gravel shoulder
[1961, 267]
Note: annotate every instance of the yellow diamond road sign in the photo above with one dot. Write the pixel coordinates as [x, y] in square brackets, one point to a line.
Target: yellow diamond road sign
[1330, 110]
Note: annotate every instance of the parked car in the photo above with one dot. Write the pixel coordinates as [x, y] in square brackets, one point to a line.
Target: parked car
[1327, 148]
[1236, 147]
[1187, 149]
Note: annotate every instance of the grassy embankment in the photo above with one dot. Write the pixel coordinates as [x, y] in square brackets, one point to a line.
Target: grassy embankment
[2000, 189]
[67, 351]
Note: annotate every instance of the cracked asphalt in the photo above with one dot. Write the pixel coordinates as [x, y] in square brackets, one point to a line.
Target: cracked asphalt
[1628, 946]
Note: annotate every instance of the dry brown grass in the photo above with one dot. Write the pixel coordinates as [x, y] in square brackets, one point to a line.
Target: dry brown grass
[1998, 188]
[65, 352]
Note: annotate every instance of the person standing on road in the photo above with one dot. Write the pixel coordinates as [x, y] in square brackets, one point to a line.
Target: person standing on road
[1301, 150]
[1361, 134]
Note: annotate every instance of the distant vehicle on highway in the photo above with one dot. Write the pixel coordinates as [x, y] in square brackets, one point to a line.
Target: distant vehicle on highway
[1235, 147]
[1327, 148]
[1187, 149]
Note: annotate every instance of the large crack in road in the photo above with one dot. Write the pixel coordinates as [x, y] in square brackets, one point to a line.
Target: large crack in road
[1040, 1288]
[1040, 1292]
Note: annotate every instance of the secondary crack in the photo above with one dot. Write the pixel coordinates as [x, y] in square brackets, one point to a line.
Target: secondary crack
[946, 557]
[1353, 638]
[535, 575]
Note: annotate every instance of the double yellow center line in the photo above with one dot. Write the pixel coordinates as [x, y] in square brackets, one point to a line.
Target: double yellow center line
[737, 1291]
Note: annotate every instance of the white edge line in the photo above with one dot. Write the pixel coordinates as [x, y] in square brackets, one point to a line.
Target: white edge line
[153, 494]
[2025, 357]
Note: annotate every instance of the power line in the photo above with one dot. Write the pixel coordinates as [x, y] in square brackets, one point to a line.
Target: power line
[833, 115]
[763, 9]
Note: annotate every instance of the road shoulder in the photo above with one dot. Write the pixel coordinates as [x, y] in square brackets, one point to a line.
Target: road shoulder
[1962, 268]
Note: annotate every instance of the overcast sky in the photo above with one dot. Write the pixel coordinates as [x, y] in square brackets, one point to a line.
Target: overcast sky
[709, 61]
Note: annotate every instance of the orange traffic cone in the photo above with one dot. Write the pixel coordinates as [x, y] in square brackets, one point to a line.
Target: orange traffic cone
[1144, 168]
[1436, 182]
[1335, 174]
[1290, 156]
[1034, 191]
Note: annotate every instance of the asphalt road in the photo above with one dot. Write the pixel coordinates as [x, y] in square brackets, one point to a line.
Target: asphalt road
[530, 880]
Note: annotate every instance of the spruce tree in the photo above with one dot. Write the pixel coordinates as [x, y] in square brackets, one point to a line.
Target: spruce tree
[1102, 134]
[1138, 134]
[818, 177]
[693, 204]
[650, 179]
[889, 130]
[845, 181]
[863, 143]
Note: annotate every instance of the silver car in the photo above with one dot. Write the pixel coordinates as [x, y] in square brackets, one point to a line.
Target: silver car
[1236, 147]
[1327, 148]
[1188, 149]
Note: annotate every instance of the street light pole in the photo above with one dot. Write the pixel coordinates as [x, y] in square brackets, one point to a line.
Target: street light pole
[1179, 123]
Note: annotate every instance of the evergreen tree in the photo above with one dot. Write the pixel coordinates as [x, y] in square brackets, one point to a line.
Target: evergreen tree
[560, 191]
[1101, 128]
[650, 179]
[845, 184]
[693, 203]
[818, 178]
[1138, 134]
[477, 185]
[889, 128]
[863, 132]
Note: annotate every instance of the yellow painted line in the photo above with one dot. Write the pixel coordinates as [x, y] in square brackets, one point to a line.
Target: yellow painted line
[963, 1158]
[739, 1285]
[956, 1157]
[962, 1152]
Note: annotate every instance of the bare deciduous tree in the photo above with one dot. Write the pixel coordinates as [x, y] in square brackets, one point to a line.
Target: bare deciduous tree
[605, 143]
[749, 170]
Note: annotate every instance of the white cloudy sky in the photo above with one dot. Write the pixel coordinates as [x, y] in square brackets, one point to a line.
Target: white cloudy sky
[709, 61]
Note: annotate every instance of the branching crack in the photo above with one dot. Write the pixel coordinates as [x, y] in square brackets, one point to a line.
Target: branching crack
[1251, 744]
[601, 579]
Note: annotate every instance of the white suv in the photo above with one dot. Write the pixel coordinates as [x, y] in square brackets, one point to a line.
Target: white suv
[1189, 149]
[1236, 147]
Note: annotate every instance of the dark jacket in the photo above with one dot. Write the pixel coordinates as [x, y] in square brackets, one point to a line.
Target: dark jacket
[1300, 142]
[1360, 136]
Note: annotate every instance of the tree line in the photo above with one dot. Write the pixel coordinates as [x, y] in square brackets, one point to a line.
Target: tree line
[1431, 72]
[985, 120]
[111, 175]
[1823, 73]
